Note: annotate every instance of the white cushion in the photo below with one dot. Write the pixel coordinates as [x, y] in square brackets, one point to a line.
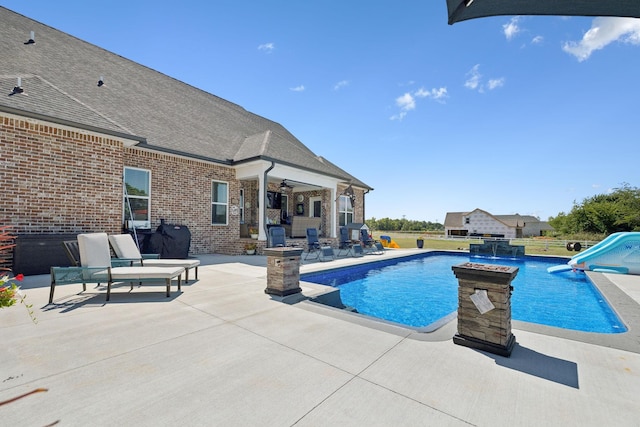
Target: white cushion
[139, 273]
[186, 263]
[124, 246]
[94, 250]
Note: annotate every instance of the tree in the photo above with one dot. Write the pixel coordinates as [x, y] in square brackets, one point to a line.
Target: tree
[602, 213]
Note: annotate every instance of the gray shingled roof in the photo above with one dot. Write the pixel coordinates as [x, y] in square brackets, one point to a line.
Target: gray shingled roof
[60, 75]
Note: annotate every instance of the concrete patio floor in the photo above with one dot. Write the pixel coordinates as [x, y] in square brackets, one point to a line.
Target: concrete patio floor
[224, 353]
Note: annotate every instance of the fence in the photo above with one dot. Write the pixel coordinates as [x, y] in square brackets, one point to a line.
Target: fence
[539, 242]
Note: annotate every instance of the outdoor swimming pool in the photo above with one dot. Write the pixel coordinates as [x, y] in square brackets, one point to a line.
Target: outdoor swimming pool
[421, 290]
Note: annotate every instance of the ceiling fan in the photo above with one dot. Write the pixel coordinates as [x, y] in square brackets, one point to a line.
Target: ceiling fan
[284, 186]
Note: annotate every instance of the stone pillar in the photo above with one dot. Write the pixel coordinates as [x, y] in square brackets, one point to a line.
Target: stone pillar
[283, 271]
[490, 331]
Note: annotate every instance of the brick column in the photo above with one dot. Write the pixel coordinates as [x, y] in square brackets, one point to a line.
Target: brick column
[490, 331]
[283, 271]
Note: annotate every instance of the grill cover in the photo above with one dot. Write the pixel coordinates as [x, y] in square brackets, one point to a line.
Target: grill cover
[169, 241]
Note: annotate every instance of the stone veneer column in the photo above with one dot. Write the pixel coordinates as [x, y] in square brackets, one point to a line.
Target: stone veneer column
[490, 331]
[283, 271]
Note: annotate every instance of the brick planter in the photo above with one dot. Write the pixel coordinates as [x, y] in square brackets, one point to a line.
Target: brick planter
[490, 331]
[283, 271]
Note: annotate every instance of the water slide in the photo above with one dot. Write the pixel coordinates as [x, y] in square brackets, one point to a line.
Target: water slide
[618, 253]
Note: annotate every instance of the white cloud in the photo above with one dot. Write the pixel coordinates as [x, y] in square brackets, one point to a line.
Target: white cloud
[495, 83]
[267, 47]
[474, 81]
[511, 29]
[474, 78]
[603, 32]
[437, 94]
[537, 40]
[340, 84]
[407, 102]
[297, 88]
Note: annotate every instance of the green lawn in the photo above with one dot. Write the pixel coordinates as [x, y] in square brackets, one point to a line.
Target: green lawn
[406, 240]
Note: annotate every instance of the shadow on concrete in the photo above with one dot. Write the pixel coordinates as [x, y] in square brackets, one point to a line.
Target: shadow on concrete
[96, 297]
[540, 365]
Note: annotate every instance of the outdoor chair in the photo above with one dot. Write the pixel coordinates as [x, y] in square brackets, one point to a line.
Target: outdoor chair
[97, 266]
[345, 245]
[73, 252]
[277, 238]
[370, 245]
[125, 248]
[323, 251]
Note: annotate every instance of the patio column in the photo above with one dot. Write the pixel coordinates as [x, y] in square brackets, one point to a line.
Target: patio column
[262, 198]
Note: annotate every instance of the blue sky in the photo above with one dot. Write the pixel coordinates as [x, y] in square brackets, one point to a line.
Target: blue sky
[507, 114]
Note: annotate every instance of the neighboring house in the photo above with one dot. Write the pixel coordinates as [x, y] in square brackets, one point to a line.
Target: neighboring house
[479, 223]
[80, 125]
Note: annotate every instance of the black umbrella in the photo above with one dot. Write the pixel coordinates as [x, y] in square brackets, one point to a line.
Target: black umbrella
[461, 10]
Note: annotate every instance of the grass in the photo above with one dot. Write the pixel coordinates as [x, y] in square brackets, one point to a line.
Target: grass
[408, 240]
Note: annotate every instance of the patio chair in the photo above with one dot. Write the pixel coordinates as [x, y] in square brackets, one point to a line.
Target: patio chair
[345, 245]
[97, 266]
[277, 238]
[323, 251]
[125, 248]
[370, 245]
[73, 252]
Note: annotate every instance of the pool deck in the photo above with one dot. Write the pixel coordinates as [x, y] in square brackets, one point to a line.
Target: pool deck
[222, 352]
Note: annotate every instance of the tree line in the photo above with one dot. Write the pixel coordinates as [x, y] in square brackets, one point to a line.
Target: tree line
[604, 214]
[388, 224]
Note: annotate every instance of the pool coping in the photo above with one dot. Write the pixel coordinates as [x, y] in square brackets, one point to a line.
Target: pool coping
[627, 309]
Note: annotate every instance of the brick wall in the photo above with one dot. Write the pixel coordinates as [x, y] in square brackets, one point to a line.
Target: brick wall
[57, 180]
[61, 180]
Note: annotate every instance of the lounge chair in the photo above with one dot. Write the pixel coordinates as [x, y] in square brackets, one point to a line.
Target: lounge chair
[97, 266]
[369, 244]
[125, 248]
[277, 238]
[73, 252]
[345, 245]
[323, 251]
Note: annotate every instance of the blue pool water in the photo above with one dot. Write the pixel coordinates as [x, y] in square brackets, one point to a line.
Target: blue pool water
[420, 290]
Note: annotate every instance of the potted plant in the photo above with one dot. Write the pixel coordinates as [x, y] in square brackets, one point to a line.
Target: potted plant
[250, 248]
[420, 242]
[253, 232]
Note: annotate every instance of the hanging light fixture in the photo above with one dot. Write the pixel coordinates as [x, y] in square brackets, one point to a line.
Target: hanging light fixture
[284, 186]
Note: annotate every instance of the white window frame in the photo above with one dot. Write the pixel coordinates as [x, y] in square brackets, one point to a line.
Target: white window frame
[312, 209]
[344, 210]
[127, 198]
[224, 203]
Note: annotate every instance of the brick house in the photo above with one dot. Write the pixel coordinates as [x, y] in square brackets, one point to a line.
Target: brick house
[91, 141]
[480, 223]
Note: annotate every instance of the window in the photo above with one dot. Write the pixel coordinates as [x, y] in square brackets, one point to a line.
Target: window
[137, 198]
[345, 211]
[219, 203]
